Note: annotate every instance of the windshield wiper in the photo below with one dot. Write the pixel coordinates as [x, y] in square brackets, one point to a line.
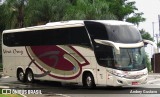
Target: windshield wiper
[125, 69]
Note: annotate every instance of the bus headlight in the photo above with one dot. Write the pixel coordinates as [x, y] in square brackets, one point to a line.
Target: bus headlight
[118, 74]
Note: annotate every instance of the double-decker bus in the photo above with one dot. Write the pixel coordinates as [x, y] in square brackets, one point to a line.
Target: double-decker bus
[91, 52]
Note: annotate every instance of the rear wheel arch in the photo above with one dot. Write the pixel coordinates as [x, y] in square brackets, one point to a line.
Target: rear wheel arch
[27, 69]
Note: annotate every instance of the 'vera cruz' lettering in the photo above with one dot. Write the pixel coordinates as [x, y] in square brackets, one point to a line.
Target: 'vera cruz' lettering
[14, 51]
[7, 51]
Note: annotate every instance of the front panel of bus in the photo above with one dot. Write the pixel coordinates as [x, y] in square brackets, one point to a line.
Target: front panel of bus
[126, 68]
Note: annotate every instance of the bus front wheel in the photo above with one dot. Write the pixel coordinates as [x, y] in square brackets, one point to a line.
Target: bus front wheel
[88, 81]
[29, 76]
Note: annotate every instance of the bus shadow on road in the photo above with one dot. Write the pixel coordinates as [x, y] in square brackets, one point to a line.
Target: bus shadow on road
[57, 87]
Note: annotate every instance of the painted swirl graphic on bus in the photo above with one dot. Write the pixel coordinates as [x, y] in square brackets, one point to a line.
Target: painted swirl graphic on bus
[63, 62]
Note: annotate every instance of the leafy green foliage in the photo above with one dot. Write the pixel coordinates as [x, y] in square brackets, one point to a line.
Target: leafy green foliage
[136, 18]
[158, 44]
[88, 10]
[2, 20]
[121, 8]
[14, 11]
[148, 63]
[146, 35]
[21, 13]
[124, 10]
[43, 11]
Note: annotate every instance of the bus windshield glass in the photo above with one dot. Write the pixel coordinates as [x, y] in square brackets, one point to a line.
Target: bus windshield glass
[123, 34]
[130, 59]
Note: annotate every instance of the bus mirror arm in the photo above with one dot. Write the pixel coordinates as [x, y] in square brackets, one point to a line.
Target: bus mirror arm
[109, 43]
[153, 44]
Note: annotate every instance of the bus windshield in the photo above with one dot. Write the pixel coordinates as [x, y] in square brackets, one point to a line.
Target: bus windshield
[123, 34]
[130, 59]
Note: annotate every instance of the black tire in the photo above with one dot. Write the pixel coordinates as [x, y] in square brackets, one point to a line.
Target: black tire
[29, 76]
[20, 75]
[88, 81]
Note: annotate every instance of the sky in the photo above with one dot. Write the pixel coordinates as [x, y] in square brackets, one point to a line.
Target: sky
[151, 10]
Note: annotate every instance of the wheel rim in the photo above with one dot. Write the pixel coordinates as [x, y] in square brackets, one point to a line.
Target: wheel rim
[29, 76]
[89, 81]
[21, 76]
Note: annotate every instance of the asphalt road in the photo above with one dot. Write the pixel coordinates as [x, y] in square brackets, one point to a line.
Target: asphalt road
[54, 89]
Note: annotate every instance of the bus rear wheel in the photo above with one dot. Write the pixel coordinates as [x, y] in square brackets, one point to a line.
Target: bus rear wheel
[29, 76]
[20, 75]
[88, 81]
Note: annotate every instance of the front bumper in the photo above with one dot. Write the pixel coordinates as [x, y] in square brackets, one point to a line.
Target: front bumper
[121, 81]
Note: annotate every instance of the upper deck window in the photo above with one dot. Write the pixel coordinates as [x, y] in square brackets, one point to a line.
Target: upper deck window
[61, 36]
[123, 33]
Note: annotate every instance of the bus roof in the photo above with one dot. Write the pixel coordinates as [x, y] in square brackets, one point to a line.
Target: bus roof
[66, 24]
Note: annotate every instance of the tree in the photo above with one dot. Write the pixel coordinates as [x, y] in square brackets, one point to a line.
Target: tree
[88, 10]
[125, 10]
[148, 63]
[14, 11]
[120, 8]
[146, 35]
[19, 13]
[44, 11]
[136, 18]
[2, 20]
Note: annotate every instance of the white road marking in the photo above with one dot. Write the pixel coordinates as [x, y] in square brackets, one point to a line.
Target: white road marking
[62, 95]
[22, 95]
[5, 77]
[4, 87]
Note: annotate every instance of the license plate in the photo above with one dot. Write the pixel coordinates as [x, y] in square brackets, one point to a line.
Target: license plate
[134, 83]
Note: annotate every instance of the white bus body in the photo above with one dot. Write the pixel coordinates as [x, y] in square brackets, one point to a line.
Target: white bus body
[96, 52]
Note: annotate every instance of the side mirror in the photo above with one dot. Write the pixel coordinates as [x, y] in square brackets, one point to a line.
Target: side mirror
[152, 43]
[109, 43]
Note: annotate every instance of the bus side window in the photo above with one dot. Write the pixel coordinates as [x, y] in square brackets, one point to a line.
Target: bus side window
[78, 36]
[96, 30]
[104, 55]
[62, 36]
[8, 39]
